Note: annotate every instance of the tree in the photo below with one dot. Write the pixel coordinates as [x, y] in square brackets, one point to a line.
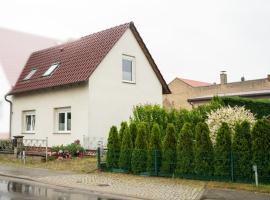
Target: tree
[261, 147]
[124, 125]
[113, 152]
[139, 154]
[204, 153]
[133, 132]
[185, 155]
[126, 151]
[223, 151]
[154, 150]
[242, 150]
[169, 151]
[229, 115]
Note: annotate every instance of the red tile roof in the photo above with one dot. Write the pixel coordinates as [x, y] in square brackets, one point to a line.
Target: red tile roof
[194, 83]
[78, 60]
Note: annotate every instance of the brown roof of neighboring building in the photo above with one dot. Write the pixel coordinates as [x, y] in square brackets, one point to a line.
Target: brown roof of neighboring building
[78, 60]
[255, 93]
[15, 49]
[194, 83]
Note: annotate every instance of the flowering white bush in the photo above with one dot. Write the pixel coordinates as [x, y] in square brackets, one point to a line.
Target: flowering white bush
[230, 115]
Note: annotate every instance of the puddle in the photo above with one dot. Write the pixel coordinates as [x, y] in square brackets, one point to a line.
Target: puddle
[11, 190]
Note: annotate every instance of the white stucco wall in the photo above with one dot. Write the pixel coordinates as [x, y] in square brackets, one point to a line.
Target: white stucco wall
[4, 106]
[44, 104]
[110, 100]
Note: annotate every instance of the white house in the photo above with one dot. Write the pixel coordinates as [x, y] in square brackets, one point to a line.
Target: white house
[15, 48]
[83, 87]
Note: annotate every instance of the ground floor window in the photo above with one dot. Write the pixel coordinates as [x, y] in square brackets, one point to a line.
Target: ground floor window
[29, 121]
[63, 119]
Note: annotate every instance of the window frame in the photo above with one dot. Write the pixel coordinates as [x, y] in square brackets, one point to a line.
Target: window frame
[30, 74]
[133, 68]
[64, 110]
[46, 74]
[32, 114]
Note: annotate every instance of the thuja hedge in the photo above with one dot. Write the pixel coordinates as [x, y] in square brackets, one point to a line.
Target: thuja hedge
[261, 108]
[151, 114]
[230, 156]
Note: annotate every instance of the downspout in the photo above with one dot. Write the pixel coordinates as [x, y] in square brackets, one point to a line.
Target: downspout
[10, 114]
[191, 103]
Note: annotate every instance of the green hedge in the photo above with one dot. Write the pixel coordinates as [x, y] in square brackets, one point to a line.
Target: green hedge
[260, 107]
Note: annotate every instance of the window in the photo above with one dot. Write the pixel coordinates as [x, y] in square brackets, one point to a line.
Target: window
[63, 120]
[29, 121]
[51, 69]
[128, 69]
[30, 74]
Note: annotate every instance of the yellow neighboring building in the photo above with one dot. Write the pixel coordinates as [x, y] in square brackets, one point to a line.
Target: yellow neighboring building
[186, 93]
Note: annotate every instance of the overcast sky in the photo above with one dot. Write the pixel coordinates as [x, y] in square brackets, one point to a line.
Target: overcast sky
[193, 39]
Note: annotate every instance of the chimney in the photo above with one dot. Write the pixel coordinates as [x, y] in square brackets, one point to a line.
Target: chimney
[223, 77]
[242, 78]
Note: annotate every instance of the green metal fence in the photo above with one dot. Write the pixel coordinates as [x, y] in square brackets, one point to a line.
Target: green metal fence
[230, 168]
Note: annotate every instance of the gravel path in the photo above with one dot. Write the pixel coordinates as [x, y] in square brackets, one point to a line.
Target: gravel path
[134, 186]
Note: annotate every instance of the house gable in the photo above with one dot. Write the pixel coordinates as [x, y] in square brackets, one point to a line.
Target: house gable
[77, 60]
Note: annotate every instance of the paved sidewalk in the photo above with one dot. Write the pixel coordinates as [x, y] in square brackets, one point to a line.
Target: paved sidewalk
[133, 186]
[30, 172]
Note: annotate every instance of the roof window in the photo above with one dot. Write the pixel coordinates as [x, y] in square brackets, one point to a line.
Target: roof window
[51, 69]
[30, 74]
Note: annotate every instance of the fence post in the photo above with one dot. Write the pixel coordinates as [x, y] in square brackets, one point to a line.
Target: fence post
[156, 165]
[98, 158]
[232, 171]
[46, 156]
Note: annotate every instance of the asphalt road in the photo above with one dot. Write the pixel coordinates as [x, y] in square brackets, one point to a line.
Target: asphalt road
[16, 189]
[223, 194]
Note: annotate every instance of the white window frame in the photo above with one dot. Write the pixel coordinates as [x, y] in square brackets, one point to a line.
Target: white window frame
[133, 68]
[64, 110]
[51, 69]
[33, 120]
[30, 74]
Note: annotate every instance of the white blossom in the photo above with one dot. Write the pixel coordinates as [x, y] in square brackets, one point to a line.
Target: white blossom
[230, 115]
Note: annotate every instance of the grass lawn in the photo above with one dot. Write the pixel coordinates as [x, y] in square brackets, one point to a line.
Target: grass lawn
[88, 165]
[79, 165]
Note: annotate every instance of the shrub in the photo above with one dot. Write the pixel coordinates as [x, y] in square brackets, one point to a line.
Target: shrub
[113, 145]
[150, 114]
[184, 164]
[123, 126]
[133, 132]
[261, 146]
[223, 150]
[259, 107]
[139, 154]
[126, 151]
[203, 155]
[169, 151]
[242, 150]
[229, 115]
[74, 149]
[154, 150]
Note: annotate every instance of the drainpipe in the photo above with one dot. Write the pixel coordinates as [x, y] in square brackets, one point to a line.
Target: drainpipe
[10, 113]
[192, 104]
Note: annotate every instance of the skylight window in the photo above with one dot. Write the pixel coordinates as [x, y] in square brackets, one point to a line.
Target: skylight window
[51, 69]
[30, 74]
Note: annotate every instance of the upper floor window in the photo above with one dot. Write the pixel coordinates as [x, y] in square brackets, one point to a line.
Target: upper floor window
[128, 69]
[30, 74]
[51, 69]
[63, 119]
[29, 121]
